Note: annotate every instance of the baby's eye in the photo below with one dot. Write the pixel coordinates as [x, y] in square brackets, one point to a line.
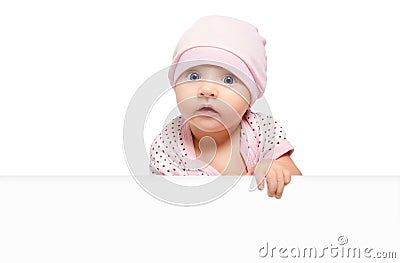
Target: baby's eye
[194, 76]
[229, 80]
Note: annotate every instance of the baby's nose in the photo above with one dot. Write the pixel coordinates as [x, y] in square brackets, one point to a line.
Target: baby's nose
[207, 90]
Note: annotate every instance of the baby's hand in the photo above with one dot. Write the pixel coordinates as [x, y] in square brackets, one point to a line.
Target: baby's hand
[276, 172]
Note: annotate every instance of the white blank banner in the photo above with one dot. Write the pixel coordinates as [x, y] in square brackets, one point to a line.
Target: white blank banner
[111, 219]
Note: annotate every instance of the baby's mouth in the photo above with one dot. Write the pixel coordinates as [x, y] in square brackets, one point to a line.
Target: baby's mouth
[207, 109]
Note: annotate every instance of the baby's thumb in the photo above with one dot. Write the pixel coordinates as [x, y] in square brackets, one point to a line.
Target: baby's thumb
[251, 170]
[257, 182]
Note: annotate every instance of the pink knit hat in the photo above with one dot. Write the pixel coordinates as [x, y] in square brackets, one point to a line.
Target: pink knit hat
[226, 42]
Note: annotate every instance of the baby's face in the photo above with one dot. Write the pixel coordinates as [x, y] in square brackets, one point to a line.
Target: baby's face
[211, 98]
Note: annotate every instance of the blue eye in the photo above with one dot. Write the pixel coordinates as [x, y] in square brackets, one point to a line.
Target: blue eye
[194, 76]
[228, 80]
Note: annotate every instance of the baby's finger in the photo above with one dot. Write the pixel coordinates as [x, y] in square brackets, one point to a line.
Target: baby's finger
[251, 170]
[261, 185]
[286, 176]
[257, 182]
[259, 174]
[271, 182]
[280, 185]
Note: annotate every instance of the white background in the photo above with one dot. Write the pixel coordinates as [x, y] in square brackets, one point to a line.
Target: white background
[68, 70]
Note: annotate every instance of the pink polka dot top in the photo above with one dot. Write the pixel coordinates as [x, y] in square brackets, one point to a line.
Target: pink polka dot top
[172, 151]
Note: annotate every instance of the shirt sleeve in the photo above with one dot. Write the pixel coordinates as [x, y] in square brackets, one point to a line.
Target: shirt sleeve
[272, 138]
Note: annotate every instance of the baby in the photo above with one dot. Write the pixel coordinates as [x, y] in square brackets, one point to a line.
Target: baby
[218, 72]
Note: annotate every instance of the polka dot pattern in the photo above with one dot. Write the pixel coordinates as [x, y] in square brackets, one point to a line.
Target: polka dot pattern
[172, 151]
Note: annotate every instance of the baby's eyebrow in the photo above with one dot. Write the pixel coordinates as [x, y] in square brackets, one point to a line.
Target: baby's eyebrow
[227, 73]
[192, 69]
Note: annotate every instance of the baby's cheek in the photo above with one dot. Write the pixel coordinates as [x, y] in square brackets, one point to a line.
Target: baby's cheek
[184, 92]
[181, 97]
[185, 110]
[238, 91]
[238, 103]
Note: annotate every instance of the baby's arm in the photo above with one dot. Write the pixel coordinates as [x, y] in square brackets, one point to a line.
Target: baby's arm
[277, 173]
[275, 164]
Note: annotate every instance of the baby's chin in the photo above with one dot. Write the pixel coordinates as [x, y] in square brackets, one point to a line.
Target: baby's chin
[208, 124]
